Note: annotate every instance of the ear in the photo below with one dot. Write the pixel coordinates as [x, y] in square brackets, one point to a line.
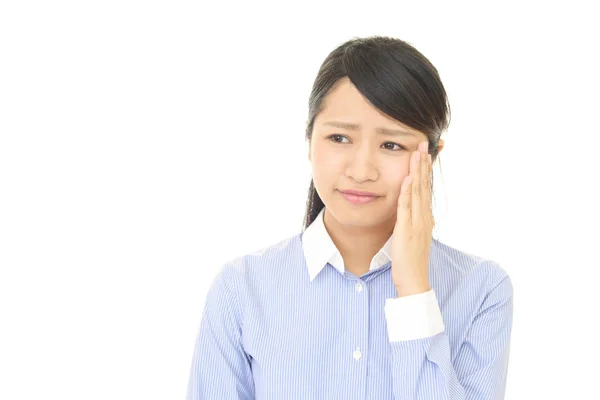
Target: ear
[440, 146]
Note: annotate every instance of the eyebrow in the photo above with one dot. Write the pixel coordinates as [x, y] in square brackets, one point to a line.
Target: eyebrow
[380, 130]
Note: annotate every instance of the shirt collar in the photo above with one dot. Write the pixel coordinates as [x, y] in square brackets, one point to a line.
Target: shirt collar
[319, 249]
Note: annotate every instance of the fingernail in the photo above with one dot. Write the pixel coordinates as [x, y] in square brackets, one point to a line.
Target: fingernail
[429, 156]
[424, 146]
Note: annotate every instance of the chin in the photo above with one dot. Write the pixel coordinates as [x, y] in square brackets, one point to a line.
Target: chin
[367, 214]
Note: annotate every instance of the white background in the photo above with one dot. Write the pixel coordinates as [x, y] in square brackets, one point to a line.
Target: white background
[144, 143]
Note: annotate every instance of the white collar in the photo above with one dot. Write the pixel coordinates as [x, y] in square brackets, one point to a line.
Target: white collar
[319, 249]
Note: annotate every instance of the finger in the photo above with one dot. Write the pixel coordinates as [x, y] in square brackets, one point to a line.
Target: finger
[404, 203]
[425, 186]
[416, 205]
[427, 189]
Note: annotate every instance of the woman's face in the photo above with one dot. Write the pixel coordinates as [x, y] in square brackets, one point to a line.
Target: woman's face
[355, 146]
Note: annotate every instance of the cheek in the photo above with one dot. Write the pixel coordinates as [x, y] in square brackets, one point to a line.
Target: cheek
[325, 162]
[392, 177]
[394, 173]
[325, 170]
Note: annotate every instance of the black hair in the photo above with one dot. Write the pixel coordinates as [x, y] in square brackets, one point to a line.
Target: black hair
[395, 78]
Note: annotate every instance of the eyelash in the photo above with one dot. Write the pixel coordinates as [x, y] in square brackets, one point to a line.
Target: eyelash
[330, 137]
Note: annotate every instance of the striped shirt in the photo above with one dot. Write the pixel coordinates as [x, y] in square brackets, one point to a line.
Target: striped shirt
[289, 322]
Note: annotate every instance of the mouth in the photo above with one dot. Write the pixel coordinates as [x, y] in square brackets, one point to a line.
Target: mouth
[358, 198]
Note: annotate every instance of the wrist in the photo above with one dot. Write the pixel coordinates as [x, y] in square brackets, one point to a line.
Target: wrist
[409, 290]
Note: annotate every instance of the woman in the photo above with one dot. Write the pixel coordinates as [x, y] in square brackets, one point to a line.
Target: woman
[364, 303]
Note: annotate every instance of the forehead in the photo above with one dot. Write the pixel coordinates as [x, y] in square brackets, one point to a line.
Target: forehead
[346, 104]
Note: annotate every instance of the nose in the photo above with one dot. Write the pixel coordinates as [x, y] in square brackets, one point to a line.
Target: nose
[361, 165]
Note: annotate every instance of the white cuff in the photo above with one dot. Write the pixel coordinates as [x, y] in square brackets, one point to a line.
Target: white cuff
[413, 317]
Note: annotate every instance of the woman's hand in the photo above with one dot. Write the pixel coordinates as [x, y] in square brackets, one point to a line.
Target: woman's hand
[413, 230]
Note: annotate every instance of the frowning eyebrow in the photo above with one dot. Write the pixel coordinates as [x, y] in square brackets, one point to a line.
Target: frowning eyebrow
[380, 130]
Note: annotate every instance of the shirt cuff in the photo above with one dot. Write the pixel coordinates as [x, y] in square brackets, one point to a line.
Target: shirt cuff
[413, 317]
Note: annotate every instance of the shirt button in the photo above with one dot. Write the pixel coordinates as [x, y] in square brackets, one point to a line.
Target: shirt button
[358, 287]
[357, 354]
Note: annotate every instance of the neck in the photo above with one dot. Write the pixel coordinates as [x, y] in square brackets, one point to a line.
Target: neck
[357, 244]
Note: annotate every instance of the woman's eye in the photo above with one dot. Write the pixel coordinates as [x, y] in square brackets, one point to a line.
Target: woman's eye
[400, 147]
[336, 136]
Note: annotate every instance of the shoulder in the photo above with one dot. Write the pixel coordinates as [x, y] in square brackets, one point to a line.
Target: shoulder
[462, 267]
[261, 263]
[240, 278]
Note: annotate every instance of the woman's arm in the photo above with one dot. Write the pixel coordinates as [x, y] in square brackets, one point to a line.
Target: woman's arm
[220, 368]
[424, 369]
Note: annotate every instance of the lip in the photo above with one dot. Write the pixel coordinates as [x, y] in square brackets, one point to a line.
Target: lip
[354, 198]
[359, 193]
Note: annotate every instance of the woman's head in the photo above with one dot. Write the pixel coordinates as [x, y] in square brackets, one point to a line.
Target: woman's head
[373, 101]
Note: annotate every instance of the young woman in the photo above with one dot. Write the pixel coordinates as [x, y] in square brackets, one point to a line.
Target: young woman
[364, 303]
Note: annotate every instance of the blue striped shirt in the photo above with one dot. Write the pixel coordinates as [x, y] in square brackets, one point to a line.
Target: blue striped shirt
[289, 322]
